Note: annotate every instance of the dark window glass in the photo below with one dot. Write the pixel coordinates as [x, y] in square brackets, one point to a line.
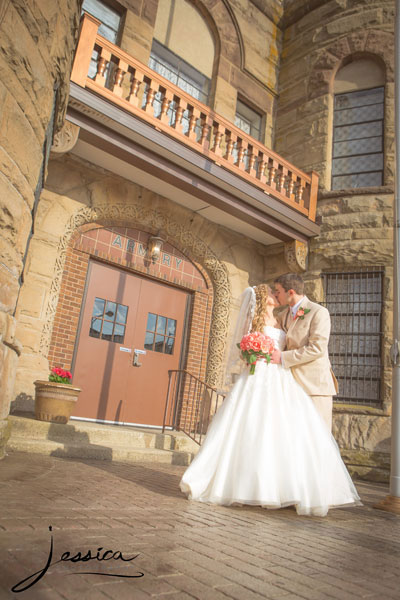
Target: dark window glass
[108, 320]
[354, 300]
[358, 139]
[160, 334]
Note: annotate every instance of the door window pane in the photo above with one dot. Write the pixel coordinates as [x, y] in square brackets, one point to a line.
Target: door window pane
[119, 333]
[160, 334]
[106, 334]
[98, 308]
[159, 345]
[108, 320]
[110, 311]
[151, 322]
[149, 340]
[169, 346]
[122, 313]
[161, 323]
[95, 327]
[171, 327]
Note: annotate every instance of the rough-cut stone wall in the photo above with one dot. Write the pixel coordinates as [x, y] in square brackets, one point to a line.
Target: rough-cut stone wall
[356, 225]
[36, 49]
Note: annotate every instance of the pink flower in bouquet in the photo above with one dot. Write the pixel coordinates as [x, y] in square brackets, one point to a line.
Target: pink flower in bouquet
[254, 346]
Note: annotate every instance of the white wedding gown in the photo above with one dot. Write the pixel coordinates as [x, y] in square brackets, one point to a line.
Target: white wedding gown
[267, 445]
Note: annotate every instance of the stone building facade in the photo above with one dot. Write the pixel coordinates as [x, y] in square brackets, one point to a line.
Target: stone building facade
[275, 68]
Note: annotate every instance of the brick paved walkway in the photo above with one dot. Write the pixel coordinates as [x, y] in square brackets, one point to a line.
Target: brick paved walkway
[186, 549]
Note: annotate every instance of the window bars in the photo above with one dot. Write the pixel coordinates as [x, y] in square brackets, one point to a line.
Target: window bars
[354, 300]
[358, 139]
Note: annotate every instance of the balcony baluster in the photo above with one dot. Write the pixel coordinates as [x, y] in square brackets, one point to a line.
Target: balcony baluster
[102, 64]
[119, 78]
[217, 139]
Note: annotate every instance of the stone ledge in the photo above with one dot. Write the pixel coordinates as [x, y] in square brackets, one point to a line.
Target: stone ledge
[384, 189]
[354, 409]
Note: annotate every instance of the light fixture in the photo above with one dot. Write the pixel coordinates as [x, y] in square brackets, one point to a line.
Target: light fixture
[154, 247]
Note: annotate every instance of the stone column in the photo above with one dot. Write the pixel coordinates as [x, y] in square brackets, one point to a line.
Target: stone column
[33, 62]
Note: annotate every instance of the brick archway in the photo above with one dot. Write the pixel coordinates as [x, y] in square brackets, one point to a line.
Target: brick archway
[178, 235]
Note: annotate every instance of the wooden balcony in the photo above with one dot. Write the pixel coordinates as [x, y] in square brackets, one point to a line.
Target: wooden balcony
[134, 87]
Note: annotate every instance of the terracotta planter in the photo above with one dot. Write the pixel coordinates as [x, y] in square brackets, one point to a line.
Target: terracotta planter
[55, 402]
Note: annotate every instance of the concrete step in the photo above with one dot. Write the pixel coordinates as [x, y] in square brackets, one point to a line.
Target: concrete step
[82, 439]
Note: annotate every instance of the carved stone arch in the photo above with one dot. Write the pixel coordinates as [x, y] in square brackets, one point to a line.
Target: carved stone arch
[373, 44]
[177, 234]
[221, 15]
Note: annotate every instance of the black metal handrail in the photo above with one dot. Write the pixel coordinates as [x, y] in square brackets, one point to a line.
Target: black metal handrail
[190, 404]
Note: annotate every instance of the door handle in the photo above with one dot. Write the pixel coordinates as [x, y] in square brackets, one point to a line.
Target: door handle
[136, 362]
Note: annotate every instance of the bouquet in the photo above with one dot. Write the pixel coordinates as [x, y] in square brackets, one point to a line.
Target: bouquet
[58, 375]
[255, 346]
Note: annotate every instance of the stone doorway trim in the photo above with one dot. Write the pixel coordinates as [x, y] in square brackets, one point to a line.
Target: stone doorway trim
[179, 235]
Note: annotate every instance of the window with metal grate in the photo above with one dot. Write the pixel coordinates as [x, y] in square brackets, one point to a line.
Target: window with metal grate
[354, 300]
[358, 139]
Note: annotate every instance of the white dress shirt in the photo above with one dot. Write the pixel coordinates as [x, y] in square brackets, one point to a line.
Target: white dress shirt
[293, 310]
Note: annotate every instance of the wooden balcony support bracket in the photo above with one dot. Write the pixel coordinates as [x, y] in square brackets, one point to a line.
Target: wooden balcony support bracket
[144, 93]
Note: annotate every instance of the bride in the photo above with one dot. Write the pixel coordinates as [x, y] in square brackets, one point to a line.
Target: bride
[267, 445]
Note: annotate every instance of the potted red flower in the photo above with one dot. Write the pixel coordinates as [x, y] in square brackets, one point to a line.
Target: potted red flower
[56, 398]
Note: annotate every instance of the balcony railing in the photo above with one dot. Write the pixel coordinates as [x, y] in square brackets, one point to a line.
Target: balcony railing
[141, 91]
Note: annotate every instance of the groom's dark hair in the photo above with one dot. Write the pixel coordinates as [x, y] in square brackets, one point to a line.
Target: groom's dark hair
[291, 281]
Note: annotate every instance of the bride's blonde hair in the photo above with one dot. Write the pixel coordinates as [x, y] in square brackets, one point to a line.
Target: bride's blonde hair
[262, 292]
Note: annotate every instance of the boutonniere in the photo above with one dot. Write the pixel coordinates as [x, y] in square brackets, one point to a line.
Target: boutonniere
[301, 312]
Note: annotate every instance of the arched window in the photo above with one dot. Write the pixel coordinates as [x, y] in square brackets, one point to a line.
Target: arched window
[183, 48]
[357, 159]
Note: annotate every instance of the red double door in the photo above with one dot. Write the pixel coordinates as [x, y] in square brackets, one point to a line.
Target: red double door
[130, 335]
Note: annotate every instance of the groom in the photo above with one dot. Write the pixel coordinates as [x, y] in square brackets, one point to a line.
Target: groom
[307, 326]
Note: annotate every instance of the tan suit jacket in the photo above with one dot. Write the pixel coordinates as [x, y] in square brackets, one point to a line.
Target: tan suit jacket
[306, 350]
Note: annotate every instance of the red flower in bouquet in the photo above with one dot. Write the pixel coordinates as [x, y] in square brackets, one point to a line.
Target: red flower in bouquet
[58, 375]
[254, 346]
